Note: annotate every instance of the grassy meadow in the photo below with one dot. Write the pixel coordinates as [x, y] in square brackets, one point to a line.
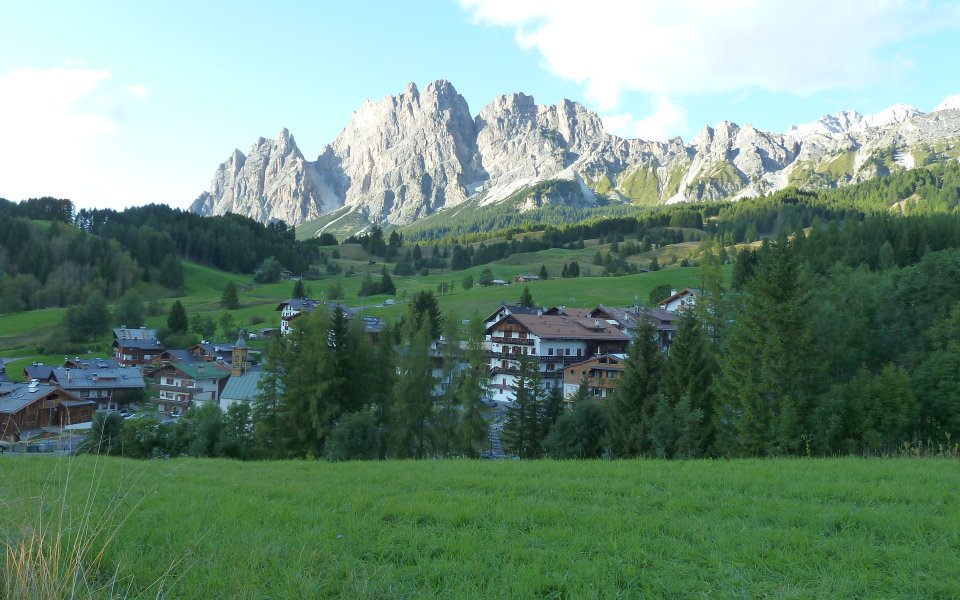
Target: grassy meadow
[22, 334]
[802, 528]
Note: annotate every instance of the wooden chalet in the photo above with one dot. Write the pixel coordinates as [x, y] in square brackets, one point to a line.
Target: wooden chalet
[603, 373]
[30, 407]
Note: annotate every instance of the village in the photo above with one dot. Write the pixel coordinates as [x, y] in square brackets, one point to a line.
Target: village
[55, 404]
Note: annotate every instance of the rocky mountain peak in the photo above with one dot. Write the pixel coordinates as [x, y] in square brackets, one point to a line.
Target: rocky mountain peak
[411, 154]
[949, 103]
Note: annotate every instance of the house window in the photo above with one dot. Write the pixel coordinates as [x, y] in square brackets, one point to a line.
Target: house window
[549, 351]
[567, 351]
[579, 351]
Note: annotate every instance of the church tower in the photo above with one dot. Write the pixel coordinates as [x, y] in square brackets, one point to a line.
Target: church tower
[240, 362]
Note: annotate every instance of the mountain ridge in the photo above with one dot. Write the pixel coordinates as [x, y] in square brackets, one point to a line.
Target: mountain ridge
[418, 152]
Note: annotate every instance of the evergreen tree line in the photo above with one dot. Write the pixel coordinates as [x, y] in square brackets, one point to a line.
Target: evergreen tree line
[52, 264]
[788, 362]
[229, 242]
[795, 362]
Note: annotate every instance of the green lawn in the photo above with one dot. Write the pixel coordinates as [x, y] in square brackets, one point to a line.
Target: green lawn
[834, 528]
[22, 333]
[25, 323]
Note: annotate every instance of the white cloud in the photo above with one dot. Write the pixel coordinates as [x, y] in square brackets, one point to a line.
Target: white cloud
[694, 47]
[139, 90]
[666, 120]
[53, 124]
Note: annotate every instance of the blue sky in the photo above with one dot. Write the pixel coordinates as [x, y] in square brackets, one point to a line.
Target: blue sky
[121, 103]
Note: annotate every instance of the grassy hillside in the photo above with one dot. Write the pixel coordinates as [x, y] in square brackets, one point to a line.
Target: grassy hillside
[22, 333]
[209, 529]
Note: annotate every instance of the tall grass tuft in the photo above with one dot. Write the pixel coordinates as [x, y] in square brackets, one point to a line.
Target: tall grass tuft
[60, 553]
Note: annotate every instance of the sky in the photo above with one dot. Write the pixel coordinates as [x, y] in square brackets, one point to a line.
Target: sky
[114, 104]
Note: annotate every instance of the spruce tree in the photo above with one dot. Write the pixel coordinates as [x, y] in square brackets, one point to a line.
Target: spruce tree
[171, 272]
[688, 377]
[522, 431]
[129, 310]
[298, 290]
[267, 442]
[553, 407]
[413, 394]
[447, 408]
[229, 299]
[526, 298]
[307, 413]
[473, 430]
[633, 404]
[177, 321]
[766, 366]
[543, 272]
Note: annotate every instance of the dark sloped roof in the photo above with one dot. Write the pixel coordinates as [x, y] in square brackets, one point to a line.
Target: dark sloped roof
[571, 328]
[41, 372]
[15, 396]
[92, 363]
[125, 378]
[134, 333]
[147, 344]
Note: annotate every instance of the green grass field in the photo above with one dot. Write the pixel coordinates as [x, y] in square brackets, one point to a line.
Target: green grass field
[833, 528]
[22, 334]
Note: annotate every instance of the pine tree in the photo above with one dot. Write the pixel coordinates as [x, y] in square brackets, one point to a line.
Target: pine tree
[129, 310]
[424, 307]
[766, 367]
[306, 414]
[654, 264]
[177, 321]
[448, 408]
[298, 291]
[633, 403]
[413, 394]
[688, 377]
[227, 325]
[543, 272]
[583, 390]
[522, 431]
[473, 430]
[229, 299]
[171, 272]
[553, 407]
[526, 298]
[386, 285]
[267, 442]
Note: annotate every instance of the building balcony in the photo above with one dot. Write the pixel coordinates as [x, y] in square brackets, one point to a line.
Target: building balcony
[563, 359]
[170, 402]
[506, 340]
[183, 389]
[509, 355]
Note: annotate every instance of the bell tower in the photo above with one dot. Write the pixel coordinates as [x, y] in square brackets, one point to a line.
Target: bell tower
[240, 362]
